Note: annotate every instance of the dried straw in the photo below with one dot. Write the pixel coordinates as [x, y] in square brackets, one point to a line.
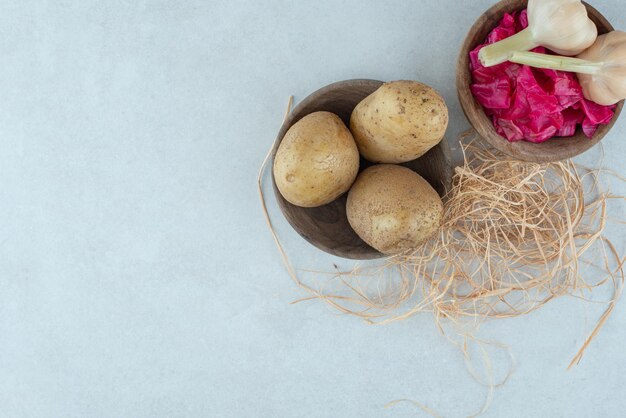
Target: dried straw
[515, 236]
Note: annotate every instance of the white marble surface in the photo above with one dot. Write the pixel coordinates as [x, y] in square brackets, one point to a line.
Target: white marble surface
[137, 276]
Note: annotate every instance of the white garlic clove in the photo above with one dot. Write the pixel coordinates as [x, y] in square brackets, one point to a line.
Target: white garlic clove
[608, 85]
[561, 25]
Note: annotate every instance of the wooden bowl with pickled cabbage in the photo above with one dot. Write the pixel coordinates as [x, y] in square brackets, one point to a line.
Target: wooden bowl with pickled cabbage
[554, 149]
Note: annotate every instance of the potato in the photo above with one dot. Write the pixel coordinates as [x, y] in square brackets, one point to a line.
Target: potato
[393, 209]
[399, 122]
[317, 160]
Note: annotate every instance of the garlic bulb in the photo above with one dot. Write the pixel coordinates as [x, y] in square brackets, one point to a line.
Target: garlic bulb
[601, 68]
[608, 85]
[560, 25]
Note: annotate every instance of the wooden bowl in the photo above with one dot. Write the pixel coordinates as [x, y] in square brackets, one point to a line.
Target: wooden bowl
[554, 149]
[327, 227]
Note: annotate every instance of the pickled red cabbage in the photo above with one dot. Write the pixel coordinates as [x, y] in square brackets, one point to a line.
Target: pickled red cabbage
[532, 104]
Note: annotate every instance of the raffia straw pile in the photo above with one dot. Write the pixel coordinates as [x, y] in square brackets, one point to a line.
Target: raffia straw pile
[515, 236]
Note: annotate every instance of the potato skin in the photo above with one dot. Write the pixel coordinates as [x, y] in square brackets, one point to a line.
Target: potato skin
[317, 160]
[399, 122]
[393, 209]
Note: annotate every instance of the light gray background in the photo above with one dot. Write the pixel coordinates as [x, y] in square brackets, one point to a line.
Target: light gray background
[137, 276]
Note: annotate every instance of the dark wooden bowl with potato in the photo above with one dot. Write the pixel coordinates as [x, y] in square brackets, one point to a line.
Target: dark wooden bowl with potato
[327, 227]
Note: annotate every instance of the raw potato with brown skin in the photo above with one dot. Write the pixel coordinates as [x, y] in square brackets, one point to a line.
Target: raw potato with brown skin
[399, 122]
[393, 209]
[317, 160]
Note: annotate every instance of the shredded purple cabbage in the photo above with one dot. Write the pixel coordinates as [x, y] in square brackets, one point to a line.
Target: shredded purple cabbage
[532, 104]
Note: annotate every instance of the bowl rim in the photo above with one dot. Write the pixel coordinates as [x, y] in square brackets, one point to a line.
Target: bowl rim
[523, 150]
[321, 92]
